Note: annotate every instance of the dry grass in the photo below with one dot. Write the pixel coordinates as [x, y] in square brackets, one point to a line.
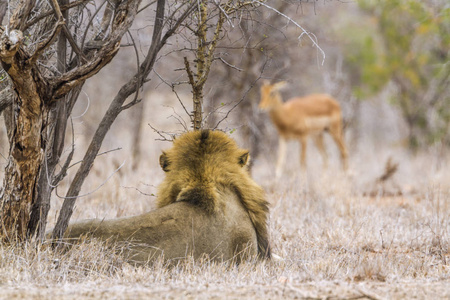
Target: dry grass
[333, 242]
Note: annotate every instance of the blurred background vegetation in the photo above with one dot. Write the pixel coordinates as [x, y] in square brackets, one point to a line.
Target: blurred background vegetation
[387, 63]
[405, 47]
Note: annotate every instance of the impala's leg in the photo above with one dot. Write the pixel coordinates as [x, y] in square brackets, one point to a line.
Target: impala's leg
[303, 143]
[319, 143]
[338, 137]
[281, 156]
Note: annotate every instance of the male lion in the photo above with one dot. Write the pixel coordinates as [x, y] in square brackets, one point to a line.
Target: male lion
[207, 204]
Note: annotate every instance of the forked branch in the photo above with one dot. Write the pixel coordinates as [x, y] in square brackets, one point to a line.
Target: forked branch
[125, 13]
[47, 42]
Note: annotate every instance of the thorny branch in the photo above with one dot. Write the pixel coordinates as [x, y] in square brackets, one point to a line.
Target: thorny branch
[161, 134]
[189, 71]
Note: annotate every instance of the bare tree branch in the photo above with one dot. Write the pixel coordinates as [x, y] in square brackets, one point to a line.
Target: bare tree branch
[19, 16]
[42, 46]
[115, 108]
[125, 13]
[308, 34]
[50, 12]
[60, 176]
[106, 20]
[94, 190]
[161, 134]
[135, 100]
[189, 71]
[66, 30]
[92, 44]
[146, 6]
[237, 103]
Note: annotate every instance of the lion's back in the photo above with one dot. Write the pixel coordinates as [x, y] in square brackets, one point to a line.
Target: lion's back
[177, 231]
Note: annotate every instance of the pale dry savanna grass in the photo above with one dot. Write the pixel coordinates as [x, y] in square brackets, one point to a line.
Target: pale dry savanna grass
[333, 241]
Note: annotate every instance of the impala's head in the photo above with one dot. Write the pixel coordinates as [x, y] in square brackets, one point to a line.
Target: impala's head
[269, 94]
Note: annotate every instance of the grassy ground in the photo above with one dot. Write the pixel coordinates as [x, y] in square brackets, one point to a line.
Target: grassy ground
[339, 236]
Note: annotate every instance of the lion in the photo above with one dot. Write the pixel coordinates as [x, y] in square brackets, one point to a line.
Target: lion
[207, 205]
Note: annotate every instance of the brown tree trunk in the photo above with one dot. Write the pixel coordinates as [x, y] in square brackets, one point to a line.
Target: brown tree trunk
[26, 143]
[54, 139]
[20, 181]
[138, 115]
[198, 107]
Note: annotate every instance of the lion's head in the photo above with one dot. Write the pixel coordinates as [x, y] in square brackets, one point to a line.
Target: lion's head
[202, 163]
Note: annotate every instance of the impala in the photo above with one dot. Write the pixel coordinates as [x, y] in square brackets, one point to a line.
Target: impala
[299, 118]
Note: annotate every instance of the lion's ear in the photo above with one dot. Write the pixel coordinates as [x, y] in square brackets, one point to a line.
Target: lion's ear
[244, 159]
[164, 162]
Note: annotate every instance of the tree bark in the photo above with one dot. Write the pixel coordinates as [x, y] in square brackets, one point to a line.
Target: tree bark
[138, 116]
[54, 144]
[204, 57]
[24, 162]
[198, 107]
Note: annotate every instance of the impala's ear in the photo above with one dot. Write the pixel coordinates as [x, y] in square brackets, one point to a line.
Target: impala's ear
[279, 85]
[164, 162]
[244, 159]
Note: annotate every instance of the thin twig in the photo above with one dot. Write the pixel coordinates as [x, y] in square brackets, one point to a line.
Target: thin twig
[160, 133]
[93, 191]
[136, 94]
[46, 42]
[296, 24]
[90, 22]
[243, 97]
[145, 7]
[177, 117]
[172, 86]
[131, 104]
[224, 13]
[66, 31]
[50, 12]
[106, 152]
[65, 167]
[230, 65]
[134, 188]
